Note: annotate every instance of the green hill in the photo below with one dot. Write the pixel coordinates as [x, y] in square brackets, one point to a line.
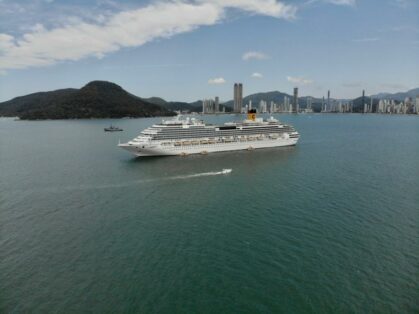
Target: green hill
[97, 99]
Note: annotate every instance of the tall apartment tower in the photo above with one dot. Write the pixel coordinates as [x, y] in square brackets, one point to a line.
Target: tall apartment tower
[328, 100]
[363, 101]
[217, 104]
[238, 97]
[295, 100]
[309, 102]
[207, 106]
[287, 104]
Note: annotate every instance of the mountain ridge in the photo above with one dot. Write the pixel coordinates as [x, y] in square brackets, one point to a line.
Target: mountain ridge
[399, 96]
[97, 99]
[102, 99]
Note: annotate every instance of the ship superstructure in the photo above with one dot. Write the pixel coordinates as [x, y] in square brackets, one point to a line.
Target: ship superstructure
[184, 136]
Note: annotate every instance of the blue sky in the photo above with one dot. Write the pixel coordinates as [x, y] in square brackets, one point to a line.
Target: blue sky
[192, 49]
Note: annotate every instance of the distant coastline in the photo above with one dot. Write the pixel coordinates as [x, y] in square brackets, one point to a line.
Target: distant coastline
[106, 100]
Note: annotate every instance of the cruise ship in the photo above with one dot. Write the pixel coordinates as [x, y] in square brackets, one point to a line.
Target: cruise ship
[184, 136]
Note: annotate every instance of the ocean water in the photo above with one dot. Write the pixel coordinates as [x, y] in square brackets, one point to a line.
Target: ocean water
[328, 226]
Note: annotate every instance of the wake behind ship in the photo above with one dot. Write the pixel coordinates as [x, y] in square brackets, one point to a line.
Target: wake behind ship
[181, 136]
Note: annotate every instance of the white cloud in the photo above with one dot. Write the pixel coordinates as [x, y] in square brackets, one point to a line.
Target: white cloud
[404, 28]
[257, 75]
[6, 42]
[299, 80]
[217, 81]
[336, 2]
[272, 8]
[254, 55]
[342, 2]
[80, 39]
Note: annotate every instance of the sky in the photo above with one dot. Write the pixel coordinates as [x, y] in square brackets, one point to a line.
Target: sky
[185, 50]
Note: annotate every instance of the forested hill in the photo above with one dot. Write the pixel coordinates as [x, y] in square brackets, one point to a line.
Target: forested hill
[97, 99]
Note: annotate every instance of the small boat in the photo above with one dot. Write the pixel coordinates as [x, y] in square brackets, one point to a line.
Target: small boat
[225, 171]
[113, 129]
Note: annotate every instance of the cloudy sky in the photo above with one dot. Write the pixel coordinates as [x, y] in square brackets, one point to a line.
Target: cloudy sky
[193, 49]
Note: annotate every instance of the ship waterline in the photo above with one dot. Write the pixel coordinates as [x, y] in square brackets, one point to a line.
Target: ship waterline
[191, 136]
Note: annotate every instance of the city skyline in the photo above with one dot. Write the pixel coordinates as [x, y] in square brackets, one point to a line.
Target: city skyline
[384, 104]
[195, 49]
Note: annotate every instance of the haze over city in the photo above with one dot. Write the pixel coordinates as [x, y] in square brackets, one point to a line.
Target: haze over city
[189, 50]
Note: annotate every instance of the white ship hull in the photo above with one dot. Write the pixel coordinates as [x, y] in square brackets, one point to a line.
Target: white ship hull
[156, 149]
[191, 136]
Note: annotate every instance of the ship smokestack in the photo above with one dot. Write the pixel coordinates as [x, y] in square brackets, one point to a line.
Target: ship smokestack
[251, 114]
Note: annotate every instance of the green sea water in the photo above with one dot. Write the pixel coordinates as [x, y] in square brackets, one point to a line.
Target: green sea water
[328, 226]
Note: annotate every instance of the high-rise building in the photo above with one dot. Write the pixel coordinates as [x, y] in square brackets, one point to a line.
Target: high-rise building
[235, 97]
[295, 100]
[328, 101]
[287, 104]
[380, 107]
[217, 104]
[208, 106]
[364, 105]
[263, 106]
[238, 97]
[272, 107]
[309, 102]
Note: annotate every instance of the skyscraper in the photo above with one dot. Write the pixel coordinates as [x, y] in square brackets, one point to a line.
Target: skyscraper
[363, 101]
[328, 101]
[295, 101]
[217, 104]
[208, 106]
[238, 97]
[287, 104]
[263, 106]
[309, 101]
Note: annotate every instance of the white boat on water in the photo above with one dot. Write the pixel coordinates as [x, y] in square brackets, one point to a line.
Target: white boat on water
[184, 136]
